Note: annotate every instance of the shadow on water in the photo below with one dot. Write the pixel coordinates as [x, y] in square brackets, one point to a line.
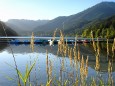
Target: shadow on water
[3, 46]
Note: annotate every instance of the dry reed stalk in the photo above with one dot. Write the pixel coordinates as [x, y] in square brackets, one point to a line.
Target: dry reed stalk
[110, 79]
[62, 64]
[75, 41]
[98, 48]
[78, 57]
[65, 48]
[94, 45]
[68, 51]
[97, 66]
[59, 49]
[82, 69]
[70, 56]
[75, 55]
[75, 51]
[113, 48]
[62, 47]
[47, 67]
[86, 67]
[54, 35]
[32, 42]
[107, 47]
[76, 82]
[50, 69]
[109, 67]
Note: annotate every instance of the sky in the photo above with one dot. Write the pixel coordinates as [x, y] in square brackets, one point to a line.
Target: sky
[43, 9]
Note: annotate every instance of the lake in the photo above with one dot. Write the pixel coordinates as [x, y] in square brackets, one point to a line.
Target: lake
[62, 67]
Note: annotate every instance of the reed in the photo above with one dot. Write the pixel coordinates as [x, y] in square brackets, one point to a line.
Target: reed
[78, 55]
[94, 45]
[98, 48]
[62, 64]
[50, 69]
[79, 64]
[86, 68]
[97, 67]
[113, 48]
[93, 83]
[107, 48]
[25, 78]
[54, 35]
[110, 79]
[75, 54]
[47, 68]
[16, 67]
[70, 56]
[82, 69]
[32, 42]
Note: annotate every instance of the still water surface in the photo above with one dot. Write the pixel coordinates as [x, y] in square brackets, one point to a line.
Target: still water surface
[24, 55]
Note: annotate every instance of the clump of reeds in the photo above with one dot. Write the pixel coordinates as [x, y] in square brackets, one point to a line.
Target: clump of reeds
[32, 42]
[62, 47]
[97, 52]
[25, 78]
[83, 69]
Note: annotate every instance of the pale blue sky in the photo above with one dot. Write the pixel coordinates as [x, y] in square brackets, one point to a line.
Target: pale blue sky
[42, 9]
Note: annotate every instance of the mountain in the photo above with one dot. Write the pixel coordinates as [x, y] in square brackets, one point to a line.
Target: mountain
[104, 28]
[22, 26]
[6, 31]
[72, 23]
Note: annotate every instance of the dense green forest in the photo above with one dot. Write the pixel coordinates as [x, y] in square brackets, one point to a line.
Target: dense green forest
[101, 28]
[9, 31]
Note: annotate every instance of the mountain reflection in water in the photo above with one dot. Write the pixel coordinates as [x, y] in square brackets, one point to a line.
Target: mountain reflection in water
[85, 50]
[23, 55]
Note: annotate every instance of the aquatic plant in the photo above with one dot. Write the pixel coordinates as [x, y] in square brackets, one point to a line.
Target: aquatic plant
[78, 63]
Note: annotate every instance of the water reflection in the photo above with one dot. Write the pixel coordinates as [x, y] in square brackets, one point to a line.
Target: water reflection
[24, 55]
[85, 50]
[2, 47]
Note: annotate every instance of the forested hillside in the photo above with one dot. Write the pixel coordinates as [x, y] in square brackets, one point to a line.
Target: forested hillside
[104, 28]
